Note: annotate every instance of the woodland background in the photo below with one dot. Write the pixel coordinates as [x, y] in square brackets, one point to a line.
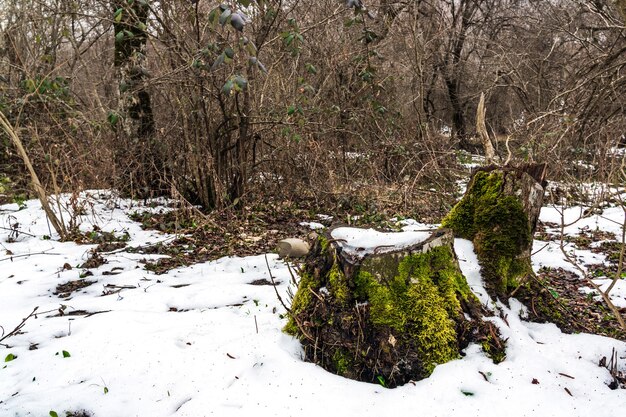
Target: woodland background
[353, 105]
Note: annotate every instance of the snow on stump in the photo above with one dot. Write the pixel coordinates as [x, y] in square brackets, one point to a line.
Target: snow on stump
[386, 307]
[499, 213]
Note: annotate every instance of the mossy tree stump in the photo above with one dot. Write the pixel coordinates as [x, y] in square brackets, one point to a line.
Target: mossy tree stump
[499, 213]
[389, 314]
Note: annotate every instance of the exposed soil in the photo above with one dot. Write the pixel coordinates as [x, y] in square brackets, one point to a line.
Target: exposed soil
[65, 290]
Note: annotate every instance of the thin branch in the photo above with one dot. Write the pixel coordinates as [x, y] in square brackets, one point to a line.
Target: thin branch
[18, 327]
[39, 189]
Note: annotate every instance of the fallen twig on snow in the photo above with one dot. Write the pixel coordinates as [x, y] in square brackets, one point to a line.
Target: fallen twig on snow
[17, 328]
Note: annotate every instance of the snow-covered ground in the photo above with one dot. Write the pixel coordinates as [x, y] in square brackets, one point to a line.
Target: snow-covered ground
[202, 341]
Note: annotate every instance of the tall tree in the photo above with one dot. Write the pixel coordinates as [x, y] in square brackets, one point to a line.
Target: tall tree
[134, 108]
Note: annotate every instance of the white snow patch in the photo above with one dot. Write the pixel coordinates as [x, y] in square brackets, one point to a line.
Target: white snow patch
[200, 341]
[313, 225]
[468, 261]
[361, 242]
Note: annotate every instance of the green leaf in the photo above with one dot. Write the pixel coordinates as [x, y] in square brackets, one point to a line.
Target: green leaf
[119, 36]
[53, 414]
[311, 69]
[229, 52]
[224, 16]
[214, 16]
[228, 87]
[10, 357]
[291, 110]
[106, 390]
[251, 48]
[467, 393]
[118, 15]
[66, 354]
[240, 83]
[218, 61]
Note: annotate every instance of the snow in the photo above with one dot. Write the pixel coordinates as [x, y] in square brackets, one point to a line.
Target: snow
[313, 225]
[201, 341]
[360, 242]
[468, 261]
[575, 219]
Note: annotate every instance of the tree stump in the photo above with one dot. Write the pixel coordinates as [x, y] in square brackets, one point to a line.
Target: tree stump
[499, 213]
[386, 307]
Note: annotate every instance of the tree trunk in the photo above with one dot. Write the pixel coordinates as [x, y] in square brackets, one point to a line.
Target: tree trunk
[499, 213]
[130, 24]
[386, 314]
[481, 129]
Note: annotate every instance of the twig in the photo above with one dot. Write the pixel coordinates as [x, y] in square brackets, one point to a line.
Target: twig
[585, 275]
[293, 316]
[39, 189]
[27, 254]
[274, 285]
[18, 327]
[19, 231]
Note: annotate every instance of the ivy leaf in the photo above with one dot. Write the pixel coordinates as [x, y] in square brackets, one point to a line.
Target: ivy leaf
[119, 36]
[66, 354]
[10, 357]
[53, 414]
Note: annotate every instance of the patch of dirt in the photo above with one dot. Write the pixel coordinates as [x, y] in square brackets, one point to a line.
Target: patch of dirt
[94, 261]
[213, 236]
[98, 236]
[65, 290]
[109, 246]
[575, 311]
[263, 281]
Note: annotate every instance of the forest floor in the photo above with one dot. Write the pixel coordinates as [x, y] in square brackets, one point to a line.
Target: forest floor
[155, 311]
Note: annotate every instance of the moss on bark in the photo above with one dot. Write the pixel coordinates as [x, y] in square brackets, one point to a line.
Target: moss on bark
[387, 318]
[493, 216]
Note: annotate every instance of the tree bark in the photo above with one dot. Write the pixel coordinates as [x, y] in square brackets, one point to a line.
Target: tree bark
[499, 214]
[134, 107]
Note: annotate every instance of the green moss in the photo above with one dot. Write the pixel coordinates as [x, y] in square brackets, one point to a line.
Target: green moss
[301, 301]
[498, 226]
[496, 354]
[338, 284]
[323, 243]
[419, 303]
[342, 361]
